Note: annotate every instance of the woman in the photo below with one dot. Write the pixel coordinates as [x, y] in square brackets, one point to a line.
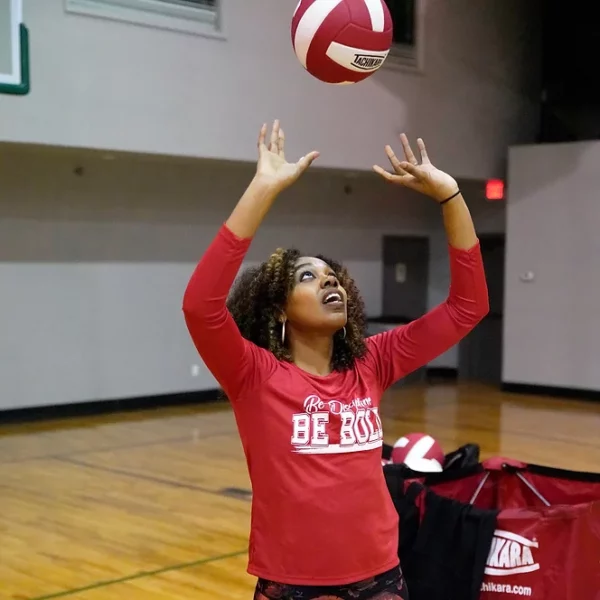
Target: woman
[289, 350]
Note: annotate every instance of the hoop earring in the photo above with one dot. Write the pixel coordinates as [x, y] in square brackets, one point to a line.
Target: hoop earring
[344, 333]
[283, 333]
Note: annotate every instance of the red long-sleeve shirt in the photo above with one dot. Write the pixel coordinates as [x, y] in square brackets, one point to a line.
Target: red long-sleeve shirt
[321, 511]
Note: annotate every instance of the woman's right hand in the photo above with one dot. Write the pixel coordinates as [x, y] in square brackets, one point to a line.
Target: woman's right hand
[273, 175]
[272, 168]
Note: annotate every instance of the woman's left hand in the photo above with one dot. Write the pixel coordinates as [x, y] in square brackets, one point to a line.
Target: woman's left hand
[424, 177]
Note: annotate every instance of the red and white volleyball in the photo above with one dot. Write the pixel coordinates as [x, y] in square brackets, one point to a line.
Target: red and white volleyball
[420, 452]
[342, 41]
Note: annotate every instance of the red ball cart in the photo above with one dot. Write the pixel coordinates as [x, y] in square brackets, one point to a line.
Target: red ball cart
[546, 540]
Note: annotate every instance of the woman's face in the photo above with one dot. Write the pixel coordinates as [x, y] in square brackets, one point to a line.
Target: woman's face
[317, 302]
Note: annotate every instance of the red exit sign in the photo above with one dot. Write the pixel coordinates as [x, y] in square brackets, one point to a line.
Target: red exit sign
[494, 189]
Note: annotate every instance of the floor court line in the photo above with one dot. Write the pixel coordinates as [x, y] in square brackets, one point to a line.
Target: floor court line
[140, 575]
[173, 440]
[150, 478]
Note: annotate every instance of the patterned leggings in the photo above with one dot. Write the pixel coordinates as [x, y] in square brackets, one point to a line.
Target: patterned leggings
[387, 586]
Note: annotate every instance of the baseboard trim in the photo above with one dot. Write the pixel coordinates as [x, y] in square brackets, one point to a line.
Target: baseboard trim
[549, 390]
[441, 374]
[102, 407]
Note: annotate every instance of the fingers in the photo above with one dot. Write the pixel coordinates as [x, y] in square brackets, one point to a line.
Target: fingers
[274, 145]
[408, 153]
[281, 144]
[416, 176]
[394, 161]
[407, 180]
[261, 138]
[277, 140]
[423, 151]
[307, 160]
[413, 170]
[387, 175]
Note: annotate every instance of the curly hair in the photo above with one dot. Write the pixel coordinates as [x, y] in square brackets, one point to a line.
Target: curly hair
[258, 297]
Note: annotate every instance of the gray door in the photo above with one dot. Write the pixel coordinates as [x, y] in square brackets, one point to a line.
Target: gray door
[480, 353]
[405, 284]
[405, 277]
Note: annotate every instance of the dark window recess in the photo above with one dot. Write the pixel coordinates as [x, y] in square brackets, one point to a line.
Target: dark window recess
[403, 17]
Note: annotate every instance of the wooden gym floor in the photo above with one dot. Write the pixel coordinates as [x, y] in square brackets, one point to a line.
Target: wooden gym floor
[151, 505]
